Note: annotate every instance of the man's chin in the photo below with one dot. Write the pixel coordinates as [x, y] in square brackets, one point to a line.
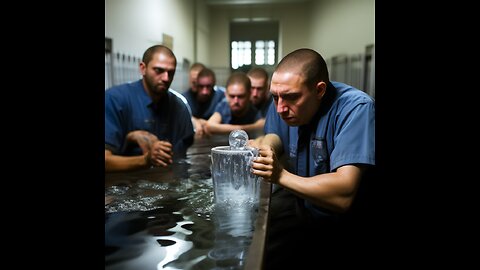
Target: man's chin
[237, 112]
[161, 89]
[202, 99]
[290, 121]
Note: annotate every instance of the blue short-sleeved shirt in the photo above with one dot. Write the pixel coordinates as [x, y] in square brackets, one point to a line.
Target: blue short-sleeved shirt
[250, 117]
[342, 132]
[204, 110]
[128, 107]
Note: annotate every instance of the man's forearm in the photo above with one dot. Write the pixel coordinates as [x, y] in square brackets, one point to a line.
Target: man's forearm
[114, 163]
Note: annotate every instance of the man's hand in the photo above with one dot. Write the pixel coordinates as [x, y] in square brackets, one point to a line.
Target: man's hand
[267, 165]
[161, 154]
[200, 128]
[155, 152]
[143, 138]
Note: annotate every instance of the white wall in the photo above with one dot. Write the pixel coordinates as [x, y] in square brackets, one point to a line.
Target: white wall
[135, 25]
[219, 37]
[293, 23]
[293, 32]
[203, 33]
[342, 26]
[294, 27]
[329, 26]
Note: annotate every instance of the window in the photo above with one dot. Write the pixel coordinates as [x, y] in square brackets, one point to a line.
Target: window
[264, 53]
[241, 53]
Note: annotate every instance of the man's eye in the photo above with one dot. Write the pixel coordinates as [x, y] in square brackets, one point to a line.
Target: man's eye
[290, 97]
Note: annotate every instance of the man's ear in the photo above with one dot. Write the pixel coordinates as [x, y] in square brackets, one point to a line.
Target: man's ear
[142, 68]
[321, 88]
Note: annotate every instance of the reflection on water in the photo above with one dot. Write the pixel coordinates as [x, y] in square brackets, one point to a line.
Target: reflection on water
[167, 220]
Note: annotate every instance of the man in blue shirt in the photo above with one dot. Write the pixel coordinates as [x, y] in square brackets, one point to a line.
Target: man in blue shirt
[327, 132]
[236, 111]
[192, 77]
[260, 96]
[204, 99]
[146, 122]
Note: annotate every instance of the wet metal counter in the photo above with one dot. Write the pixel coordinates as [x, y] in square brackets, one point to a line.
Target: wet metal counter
[165, 218]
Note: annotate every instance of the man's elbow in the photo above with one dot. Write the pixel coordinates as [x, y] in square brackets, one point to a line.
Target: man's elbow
[343, 205]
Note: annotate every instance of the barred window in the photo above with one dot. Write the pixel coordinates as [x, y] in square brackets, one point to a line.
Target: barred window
[264, 53]
[241, 53]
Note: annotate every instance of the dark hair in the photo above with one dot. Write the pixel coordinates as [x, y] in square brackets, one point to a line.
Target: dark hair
[206, 72]
[197, 66]
[257, 72]
[306, 62]
[241, 78]
[148, 54]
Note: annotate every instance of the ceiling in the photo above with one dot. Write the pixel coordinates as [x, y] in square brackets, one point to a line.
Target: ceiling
[251, 2]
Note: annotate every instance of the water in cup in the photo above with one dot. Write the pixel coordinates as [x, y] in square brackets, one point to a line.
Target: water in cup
[234, 183]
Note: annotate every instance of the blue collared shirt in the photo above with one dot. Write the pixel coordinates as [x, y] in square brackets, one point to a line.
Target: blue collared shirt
[128, 107]
[250, 117]
[206, 109]
[342, 132]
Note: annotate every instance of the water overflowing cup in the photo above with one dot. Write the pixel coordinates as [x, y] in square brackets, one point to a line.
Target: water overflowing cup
[235, 186]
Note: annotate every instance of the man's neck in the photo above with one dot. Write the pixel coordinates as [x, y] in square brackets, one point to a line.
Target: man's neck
[156, 98]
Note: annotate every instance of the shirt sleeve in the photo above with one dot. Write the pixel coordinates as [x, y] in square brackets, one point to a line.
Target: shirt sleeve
[355, 136]
[114, 133]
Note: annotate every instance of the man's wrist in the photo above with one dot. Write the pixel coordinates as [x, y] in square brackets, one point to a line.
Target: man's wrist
[148, 160]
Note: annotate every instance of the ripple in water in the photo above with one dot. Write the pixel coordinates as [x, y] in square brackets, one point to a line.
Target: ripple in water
[200, 199]
[198, 237]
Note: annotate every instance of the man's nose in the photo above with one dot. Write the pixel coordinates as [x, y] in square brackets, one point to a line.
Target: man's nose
[281, 107]
[205, 90]
[165, 76]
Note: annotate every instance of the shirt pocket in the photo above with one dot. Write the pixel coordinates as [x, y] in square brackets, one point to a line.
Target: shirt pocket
[318, 150]
[292, 157]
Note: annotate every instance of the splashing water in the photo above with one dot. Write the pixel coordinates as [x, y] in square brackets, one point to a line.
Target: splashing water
[238, 139]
